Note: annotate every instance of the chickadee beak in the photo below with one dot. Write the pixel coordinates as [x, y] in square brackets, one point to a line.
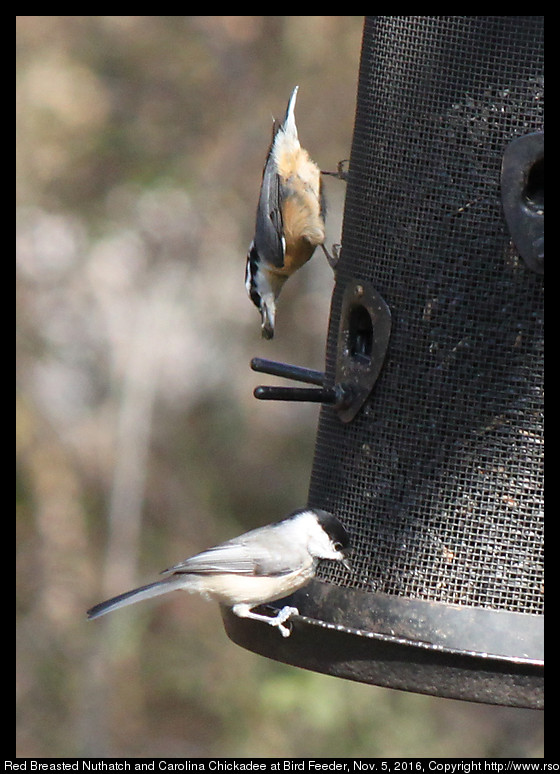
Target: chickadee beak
[346, 562]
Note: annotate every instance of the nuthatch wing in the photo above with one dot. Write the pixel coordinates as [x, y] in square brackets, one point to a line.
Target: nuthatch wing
[290, 218]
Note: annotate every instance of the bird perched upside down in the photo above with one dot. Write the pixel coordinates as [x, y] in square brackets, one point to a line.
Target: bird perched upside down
[259, 566]
[290, 218]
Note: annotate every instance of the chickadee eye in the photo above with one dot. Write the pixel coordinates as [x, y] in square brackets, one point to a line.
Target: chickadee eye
[338, 546]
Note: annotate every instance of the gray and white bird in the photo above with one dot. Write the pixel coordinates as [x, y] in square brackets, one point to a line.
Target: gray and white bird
[260, 566]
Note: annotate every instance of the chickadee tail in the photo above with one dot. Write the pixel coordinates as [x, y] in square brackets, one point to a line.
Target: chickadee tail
[289, 125]
[137, 595]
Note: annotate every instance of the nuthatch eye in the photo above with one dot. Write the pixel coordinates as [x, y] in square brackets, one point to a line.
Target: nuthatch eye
[290, 218]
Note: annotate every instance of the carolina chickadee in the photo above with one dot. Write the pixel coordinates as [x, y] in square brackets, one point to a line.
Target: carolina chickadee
[259, 566]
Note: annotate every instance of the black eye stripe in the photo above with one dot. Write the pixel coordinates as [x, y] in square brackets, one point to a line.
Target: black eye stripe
[251, 281]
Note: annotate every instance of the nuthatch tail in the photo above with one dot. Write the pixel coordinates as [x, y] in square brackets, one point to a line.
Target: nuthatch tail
[290, 218]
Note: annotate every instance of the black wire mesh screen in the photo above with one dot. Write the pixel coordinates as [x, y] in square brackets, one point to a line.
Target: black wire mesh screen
[439, 477]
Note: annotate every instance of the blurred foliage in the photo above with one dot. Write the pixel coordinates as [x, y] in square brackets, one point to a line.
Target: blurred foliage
[140, 145]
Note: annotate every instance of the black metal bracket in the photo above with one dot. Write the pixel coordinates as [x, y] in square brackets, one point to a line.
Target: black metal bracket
[363, 337]
[522, 184]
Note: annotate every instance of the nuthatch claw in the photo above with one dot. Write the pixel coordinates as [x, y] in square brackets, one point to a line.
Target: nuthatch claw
[333, 257]
[341, 173]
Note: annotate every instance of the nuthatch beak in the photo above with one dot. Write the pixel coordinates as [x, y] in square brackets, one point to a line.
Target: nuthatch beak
[290, 218]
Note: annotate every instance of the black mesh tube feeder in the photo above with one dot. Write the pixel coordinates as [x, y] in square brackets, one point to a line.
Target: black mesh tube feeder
[430, 440]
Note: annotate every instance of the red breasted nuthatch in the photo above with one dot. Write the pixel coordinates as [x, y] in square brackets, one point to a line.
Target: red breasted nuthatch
[290, 218]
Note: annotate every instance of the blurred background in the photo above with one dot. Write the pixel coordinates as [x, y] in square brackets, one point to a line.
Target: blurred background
[140, 147]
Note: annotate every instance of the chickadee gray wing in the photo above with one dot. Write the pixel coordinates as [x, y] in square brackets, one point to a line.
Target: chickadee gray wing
[257, 553]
